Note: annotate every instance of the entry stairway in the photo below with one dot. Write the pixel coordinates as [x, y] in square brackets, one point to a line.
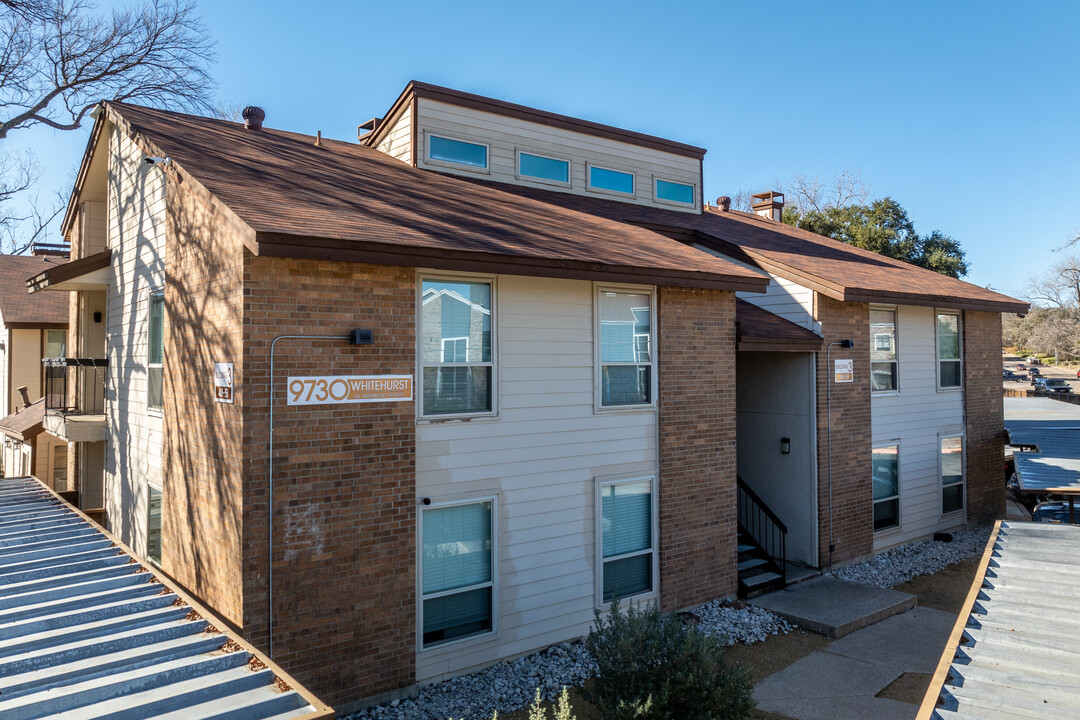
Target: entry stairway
[762, 545]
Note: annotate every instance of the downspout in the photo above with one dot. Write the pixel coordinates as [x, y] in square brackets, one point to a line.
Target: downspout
[270, 493]
[829, 381]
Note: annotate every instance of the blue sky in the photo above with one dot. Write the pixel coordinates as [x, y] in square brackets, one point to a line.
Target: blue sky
[964, 112]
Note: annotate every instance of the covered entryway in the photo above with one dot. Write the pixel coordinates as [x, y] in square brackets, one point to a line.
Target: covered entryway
[777, 447]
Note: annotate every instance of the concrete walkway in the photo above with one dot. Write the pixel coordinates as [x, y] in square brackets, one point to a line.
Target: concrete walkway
[832, 607]
[842, 681]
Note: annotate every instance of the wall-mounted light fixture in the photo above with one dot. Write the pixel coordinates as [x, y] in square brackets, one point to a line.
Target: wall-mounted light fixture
[785, 445]
[362, 337]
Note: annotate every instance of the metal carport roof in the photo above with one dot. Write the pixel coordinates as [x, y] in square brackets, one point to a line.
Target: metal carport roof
[86, 631]
[1015, 650]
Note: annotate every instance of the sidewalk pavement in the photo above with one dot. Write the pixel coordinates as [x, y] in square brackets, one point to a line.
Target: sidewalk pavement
[843, 681]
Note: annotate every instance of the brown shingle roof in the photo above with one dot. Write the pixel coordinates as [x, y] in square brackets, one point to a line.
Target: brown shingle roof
[17, 306]
[26, 423]
[349, 202]
[758, 329]
[829, 266]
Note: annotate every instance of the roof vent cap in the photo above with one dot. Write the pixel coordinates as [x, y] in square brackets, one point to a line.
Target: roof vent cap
[253, 117]
[723, 203]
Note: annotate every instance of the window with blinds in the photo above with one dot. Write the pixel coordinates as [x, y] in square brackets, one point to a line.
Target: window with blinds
[626, 532]
[457, 571]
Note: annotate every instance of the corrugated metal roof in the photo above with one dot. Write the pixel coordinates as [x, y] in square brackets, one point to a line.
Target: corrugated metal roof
[87, 632]
[1053, 429]
[1015, 650]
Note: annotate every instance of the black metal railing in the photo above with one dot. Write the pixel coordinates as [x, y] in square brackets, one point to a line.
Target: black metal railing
[762, 524]
[75, 385]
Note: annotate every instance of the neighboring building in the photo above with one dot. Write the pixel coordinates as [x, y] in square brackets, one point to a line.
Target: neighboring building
[28, 450]
[579, 366]
[31, 328]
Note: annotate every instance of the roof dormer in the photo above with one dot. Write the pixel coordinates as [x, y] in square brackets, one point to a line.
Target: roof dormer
[449, 131]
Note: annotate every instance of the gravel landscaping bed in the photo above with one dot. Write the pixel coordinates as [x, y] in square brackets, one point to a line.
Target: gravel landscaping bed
[918, 558]
[509, 686]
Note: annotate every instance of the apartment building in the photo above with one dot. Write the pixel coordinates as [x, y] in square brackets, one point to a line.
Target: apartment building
[404, 407]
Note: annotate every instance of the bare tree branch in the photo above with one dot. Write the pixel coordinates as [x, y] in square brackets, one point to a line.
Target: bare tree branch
[57, 59]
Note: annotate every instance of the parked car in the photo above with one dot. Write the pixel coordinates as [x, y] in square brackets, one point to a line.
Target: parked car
[1010, 375]
[1051, 386]
[1055, 511]
[1034, 373]
[1032, 360]
[1021, 366]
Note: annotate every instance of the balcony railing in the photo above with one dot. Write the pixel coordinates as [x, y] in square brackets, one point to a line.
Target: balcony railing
[75, 386]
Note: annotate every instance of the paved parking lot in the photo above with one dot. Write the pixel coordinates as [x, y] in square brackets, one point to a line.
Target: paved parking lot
[1008, 362]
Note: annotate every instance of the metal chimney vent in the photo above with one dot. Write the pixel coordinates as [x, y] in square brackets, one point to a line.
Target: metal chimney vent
[253, 117]
[723, 203]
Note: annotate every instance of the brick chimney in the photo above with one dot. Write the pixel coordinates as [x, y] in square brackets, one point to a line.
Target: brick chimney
[768, 205]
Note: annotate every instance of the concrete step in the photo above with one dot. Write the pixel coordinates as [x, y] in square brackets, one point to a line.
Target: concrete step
[833, 607]
[752, 563]
[761, 579]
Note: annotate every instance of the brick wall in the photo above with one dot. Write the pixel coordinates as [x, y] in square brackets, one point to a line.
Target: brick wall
[852, 492]
[984, 417]
[344, 499]
[697, 446]
[201, 481]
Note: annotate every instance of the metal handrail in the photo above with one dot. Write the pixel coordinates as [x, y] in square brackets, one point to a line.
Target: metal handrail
[79, 387]
[762, 524]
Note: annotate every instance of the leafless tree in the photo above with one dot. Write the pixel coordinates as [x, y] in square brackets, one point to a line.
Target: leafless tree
[58, 58]
[806, 194]
[1059, 287]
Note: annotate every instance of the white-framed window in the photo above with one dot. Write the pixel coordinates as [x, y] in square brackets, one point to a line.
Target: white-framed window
[624, 342]
[611, 181]
[442, 150]
[155, 351]
[951, 470]
[626, 530]
[886, 472]
[456, 346]
[59, 467]
[676, 193]
[542, 168]
[55, 347]
[884, 367]
[457, 571]
[153, 524]
[949, 350]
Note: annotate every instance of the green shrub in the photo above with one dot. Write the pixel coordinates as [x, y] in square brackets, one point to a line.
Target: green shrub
[562, 708]
[654, 667]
